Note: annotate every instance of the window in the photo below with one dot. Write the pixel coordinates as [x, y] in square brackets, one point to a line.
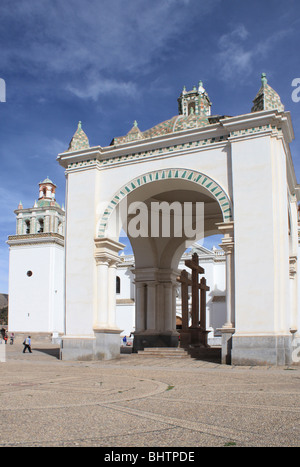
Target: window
[27, 227]
[118, 285]
[191, 108]
[40, 227]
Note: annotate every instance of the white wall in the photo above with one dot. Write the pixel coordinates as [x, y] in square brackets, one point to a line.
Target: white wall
[260, 230]
[81, 290]
[125, 319]
[36, 302]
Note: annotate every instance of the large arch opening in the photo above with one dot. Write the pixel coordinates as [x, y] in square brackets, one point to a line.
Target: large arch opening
[157, 257]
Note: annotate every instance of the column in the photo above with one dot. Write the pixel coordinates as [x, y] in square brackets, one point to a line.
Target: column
[47, 223]
[228, 246]
[168, 308]
[106, 256]
[140, 322]
[102, 293]
[294, 293]
[151, 305]
[19, 225]
[174, 299]
[107, 336]
[32, 224]
[229, 254]
[112, 273]
[228, 329]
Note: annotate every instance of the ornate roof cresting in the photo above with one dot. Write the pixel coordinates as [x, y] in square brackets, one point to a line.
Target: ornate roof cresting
[266, 98]
[79, 140]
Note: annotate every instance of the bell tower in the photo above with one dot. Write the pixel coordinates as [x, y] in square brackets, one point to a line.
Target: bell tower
[194, 102]
[47, 190]
[36, 266]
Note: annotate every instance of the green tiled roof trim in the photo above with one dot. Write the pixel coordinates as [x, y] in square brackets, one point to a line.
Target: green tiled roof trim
[187, 174]
[177, 123]
[79, 140]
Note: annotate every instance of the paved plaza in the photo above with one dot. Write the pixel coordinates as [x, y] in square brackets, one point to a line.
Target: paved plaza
[144, 402]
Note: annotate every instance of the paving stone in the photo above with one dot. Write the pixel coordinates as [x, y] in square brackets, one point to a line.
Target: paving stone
[144, 402]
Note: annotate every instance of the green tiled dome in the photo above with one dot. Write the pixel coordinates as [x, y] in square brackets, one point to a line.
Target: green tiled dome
[42, 203]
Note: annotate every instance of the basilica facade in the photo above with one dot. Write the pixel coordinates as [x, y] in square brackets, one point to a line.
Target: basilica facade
[239, 169]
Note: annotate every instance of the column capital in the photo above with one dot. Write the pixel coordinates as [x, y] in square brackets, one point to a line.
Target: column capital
[152, 283]
[102, 261]
[228, 247]
[227, 229]
[106, 250]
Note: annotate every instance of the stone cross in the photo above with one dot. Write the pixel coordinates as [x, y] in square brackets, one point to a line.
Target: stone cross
[185, 282]
[203, 289]
[193, 264]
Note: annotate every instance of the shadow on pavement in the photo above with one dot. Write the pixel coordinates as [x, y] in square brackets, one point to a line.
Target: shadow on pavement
[51, 352]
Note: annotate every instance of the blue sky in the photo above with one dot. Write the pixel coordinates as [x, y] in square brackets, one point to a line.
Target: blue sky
[110, 62]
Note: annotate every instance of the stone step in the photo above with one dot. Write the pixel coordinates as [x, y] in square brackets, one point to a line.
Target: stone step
[210, 354]
[166, 352]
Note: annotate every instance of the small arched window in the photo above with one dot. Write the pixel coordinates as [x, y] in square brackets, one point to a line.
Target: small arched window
[191, 108]
[27, 227]
[40, 228]
[118, 285]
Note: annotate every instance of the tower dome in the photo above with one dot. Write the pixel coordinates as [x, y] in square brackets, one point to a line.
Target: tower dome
[47, 193]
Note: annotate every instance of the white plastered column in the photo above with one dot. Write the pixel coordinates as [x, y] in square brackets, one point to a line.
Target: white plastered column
[107, 334]
[102, 265]
[112, 274]
[106, 256]
[228, 327]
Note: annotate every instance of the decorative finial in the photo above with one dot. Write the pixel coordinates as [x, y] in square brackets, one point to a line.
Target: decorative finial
[264, 79]
[135, 123]
[79, 125]
[200, 87]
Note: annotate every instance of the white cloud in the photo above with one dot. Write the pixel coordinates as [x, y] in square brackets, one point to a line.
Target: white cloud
[237, 56]
[233, 58]
[98, 86]
[109, 37]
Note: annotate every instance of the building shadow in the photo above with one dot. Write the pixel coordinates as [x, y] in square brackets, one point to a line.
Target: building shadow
[55, 352]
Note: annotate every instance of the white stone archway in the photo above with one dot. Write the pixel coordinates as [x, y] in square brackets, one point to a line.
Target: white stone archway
[156, 259]
[241, 167]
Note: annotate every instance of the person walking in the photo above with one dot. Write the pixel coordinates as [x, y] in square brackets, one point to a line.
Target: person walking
[27, 344]
[12, 337]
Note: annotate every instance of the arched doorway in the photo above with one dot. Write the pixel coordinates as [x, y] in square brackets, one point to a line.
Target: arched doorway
[150, 209]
